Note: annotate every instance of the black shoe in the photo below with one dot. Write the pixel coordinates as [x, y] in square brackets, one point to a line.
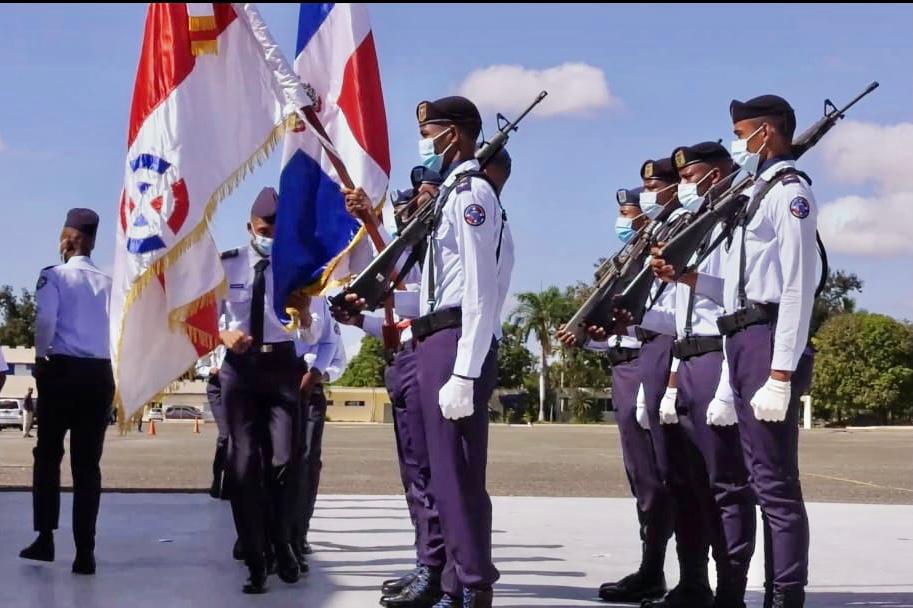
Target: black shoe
[424, 592]
[306, 546]
[84, 563]
[634, 588]
[788, 598]
[300, 556]
[682, 597]
[477, 598]
[394, 586]
[41, 550]
[237, 551]
[449, 601]
[256, 581]
[287, 564]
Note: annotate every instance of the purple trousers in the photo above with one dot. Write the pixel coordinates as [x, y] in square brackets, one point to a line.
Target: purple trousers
[712, 467]
[412, 452]
[458, 456]
[771, 452]
[653, 499]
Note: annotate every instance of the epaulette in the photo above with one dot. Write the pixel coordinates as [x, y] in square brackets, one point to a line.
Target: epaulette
[792, 178]
[231, 253]
[464, 185]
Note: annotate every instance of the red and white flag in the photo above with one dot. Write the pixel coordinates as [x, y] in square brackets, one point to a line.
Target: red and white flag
[210, 102]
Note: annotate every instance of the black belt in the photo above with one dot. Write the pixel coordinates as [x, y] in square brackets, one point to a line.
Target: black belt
[694, 346]
[436, 321]
[645, 335]
[754, 314]
[620, 354]
[279, 349]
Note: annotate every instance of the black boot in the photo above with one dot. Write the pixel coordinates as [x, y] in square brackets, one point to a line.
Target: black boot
[648, 582]
[256, 581]
[306, 546]
[425, 591]
[300, 555]
[287, 563]
[477, 598]
[394, 586]
[730, 594]
[41, 550]
[84, 562]
[794, 597]
[693, 589]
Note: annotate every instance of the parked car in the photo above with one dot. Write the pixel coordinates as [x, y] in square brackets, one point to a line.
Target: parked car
[154, 413]
[183, 412]
[10, 415]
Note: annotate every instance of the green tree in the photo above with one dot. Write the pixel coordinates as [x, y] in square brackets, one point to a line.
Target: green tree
[864, 369]
[515, 362]
[366, 369]
[541, 314]
[835, 299]
[18, 312]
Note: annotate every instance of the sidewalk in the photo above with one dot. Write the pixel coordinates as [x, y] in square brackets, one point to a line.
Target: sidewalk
[173, 551]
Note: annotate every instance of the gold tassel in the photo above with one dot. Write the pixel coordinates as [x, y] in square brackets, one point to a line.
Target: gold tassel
[201, 23]
[204, 47]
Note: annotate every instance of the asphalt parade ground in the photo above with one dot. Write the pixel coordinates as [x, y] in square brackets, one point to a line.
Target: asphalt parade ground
[563, 522]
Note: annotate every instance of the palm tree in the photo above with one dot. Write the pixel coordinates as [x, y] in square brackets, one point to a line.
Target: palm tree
[541, 314]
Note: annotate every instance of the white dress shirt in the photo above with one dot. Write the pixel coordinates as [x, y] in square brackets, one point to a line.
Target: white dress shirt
[73, 302]
[320, 354]
[468, 273]
[780, 262]
[239, 273]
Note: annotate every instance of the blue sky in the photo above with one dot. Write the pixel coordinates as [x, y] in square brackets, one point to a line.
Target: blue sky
[67, 74]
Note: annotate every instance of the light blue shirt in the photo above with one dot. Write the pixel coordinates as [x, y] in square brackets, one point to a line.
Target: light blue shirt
[320, 354]
[73, 304]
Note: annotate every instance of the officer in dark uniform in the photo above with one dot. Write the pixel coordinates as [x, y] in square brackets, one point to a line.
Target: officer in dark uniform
[260, 382]
[76, 384]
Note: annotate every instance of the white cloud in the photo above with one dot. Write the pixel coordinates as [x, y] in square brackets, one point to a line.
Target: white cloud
[859, 153]
[573, 88]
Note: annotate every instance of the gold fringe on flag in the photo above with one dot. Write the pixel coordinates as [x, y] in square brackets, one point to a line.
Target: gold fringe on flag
[204, 47]
[260, 155]
[201, 23]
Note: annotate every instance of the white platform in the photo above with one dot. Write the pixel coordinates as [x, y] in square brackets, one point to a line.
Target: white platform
[173, 551]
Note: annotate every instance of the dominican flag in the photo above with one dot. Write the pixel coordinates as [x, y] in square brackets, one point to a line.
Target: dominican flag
[318, 245]
[210, 102]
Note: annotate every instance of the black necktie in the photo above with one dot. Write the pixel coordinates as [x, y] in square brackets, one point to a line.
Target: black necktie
[256, 306]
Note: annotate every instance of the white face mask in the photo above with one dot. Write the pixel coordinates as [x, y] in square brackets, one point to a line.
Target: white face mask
[748, 161]
[648, 203]
[263, 244]
[688, 196]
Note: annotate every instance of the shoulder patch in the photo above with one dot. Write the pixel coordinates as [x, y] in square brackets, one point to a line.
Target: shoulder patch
[231, 253]
[464, 185]
[799, 207]
[42, 281]
[474, 215]
[336, 328]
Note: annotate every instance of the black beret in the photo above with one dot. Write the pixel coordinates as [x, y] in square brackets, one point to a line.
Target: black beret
[423, 175]
[400, 197]
[84, 220]
[457, 110]
[629, 196]
[659, 169]
[265, 204]
[704, 152]
[765, 105]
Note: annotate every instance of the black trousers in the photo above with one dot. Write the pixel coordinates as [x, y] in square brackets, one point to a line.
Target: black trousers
[260, 397]
[76, 396]
[220, 459]
[312, 423]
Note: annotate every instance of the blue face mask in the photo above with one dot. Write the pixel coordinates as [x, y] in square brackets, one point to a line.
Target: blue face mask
[263, 244]
[624, 229]
[430, 160]
[748, 161]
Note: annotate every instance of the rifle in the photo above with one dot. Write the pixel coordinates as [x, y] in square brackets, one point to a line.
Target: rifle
[686, 237]
[611, 277]
[378, 278]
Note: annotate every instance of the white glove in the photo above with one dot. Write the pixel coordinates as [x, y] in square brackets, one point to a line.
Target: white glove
[721, 413]
[641, 412]
[667, 413]
[455, 398]
[771, 401]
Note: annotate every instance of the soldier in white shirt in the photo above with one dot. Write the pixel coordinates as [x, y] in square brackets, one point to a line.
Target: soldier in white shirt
[768, 285]
[260, 381]
[76, 384]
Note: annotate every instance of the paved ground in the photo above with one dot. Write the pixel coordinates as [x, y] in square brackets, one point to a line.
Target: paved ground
[172, 551]
[857, 466]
